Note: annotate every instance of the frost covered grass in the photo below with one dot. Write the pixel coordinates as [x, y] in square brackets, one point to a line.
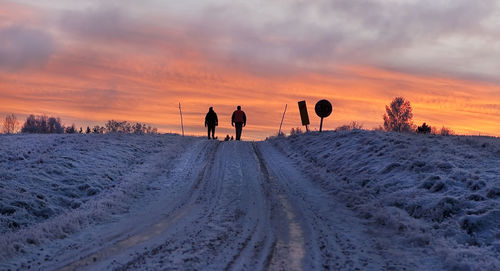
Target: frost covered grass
[433, 192]
[54, 185]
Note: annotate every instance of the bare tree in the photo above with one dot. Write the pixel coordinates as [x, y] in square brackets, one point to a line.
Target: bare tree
[10, 124]
[399, 116]
[446, 131]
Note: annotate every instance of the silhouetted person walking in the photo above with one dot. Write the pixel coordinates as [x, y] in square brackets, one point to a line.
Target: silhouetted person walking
[211, 121]
[239, 120]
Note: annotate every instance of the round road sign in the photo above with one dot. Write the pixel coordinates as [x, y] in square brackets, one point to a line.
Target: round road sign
[323, 108]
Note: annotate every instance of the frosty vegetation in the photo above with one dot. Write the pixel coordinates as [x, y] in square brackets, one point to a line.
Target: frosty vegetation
[399, 115]
[113, 126]
[10, 124]
[354, 125]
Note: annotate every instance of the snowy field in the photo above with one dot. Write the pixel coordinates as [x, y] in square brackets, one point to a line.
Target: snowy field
[53, 185]
[357, 200]
[440, 194]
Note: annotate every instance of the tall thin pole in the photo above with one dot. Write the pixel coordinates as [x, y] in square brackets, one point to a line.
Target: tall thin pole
[182, 123]
[282, 118]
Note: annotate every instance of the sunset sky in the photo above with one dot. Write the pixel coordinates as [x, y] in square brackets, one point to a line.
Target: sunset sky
[91, 61]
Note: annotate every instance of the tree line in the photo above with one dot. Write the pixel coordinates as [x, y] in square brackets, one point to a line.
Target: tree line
[398, 118]
[42, 124]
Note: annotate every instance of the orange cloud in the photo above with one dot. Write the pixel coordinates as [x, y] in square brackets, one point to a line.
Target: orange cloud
[141, 72]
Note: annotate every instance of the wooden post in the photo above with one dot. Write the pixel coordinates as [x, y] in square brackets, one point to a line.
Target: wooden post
[282, 118]
[182, 123]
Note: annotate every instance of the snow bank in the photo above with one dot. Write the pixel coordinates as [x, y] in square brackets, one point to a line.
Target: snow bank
[53, 185]
[434, 192]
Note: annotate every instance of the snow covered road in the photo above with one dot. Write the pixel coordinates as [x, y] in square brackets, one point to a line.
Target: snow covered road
[228, 206]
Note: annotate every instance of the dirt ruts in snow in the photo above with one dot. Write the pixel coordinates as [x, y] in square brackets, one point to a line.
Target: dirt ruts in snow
[179, 209]
[228, 223]
[334, 238]
[247, 208]
[435, 195]
[248, 213]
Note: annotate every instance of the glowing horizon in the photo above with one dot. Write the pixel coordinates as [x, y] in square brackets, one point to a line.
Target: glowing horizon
[93, 62]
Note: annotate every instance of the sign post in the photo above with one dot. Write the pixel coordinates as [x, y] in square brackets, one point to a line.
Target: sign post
[304, 116]
[182, 123]
[323, 109]
[282, 118]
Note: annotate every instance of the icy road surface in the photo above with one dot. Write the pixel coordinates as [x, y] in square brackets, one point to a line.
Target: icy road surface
[231, 206]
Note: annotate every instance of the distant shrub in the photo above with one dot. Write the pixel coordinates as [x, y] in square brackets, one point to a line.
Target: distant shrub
[446, 131]
[54, 126]
[276, 135]
[354, 125]
[113, 126]
[10, 124]
[424, 129]
[296, 131]
[142, 128]
[398, 117]
[98, 130]
[70, 129]
[434, 130]
[42, 125]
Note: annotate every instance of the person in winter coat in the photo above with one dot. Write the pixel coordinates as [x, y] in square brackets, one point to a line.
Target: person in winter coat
[211, 122]
[238, 120]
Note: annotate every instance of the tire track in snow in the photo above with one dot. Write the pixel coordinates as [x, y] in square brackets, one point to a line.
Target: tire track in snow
[246, 207]
[288, 249]
[181, 209]
[222, 220]
[240, 209]
[334, 237]
[233, 227]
